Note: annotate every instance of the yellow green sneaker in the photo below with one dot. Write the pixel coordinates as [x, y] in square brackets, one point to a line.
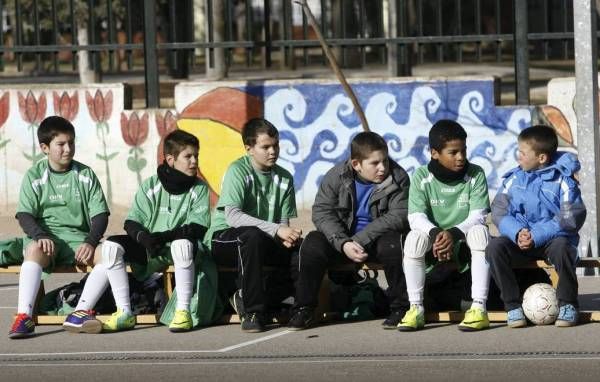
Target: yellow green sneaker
[120, 320]
[413, 320]
[182, 321]
[475, 319]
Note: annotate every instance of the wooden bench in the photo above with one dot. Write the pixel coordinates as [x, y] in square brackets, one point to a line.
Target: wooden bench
[58, 320]
[323, 310]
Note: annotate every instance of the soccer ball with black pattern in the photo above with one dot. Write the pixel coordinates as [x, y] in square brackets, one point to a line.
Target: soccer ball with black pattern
[540, 304]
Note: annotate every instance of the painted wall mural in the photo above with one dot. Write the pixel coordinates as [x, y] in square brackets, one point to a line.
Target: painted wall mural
[315, 118]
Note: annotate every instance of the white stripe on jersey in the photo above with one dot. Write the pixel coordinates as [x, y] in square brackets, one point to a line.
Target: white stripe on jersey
[39, 182]
[151, 192]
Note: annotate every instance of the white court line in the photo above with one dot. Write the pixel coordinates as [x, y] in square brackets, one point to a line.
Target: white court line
[223, 350]
[291, 361]
[9, 288]
[8, 307]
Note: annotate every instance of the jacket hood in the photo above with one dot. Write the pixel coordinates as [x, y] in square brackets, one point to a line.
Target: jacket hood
[565, 163]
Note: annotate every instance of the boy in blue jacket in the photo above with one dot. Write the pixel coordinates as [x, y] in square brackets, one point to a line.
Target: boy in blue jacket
[538, 212]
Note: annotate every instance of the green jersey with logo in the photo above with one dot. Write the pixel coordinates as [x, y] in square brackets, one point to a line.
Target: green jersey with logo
[448, 204]
[158, 210]
[62, 203]
[269, 197]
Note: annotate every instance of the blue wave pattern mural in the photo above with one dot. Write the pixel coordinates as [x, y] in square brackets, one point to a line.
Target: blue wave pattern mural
[317, 122]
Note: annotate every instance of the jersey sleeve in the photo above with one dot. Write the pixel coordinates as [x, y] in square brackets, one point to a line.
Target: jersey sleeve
[29, 200]
[288, 205]
[141, 208]
[232, 189]
[200, 213]
[96, 200]
[479, 199]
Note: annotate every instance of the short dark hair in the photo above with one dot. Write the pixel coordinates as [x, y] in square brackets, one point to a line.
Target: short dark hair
[363, 144]
[257, 126]
[443, 131]
[541, 138]
[52, 126]
[177, 140]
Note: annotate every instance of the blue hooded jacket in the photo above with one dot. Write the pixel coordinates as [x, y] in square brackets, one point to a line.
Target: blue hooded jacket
[546, 201]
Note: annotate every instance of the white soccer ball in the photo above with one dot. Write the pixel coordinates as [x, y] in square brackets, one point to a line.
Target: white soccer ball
[540, 304]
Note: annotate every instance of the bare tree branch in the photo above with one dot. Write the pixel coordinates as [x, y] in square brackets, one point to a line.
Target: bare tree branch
[334, 65]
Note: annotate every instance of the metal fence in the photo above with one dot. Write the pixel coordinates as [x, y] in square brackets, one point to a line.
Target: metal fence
[179, 38]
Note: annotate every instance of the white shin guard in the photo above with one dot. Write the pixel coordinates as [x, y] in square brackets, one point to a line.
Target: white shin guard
[112, 258]
[182, 252]
[416, 245]
[477, 240]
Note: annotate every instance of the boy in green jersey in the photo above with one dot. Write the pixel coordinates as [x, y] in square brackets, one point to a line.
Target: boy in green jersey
[447, 207]
[62, 211]
[250, 227]
[165, 225]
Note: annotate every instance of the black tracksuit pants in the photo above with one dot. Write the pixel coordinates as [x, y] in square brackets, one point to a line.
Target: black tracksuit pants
[502, 254]
[248, 249]
[317, 255]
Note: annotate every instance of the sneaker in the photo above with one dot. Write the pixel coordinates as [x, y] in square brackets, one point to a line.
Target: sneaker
[82, 321]
[237, 303]
[303, 318]
[475, 319]
[393, 319]
[182, 321]
[413, 320]
[252, 323]
[22, 327]
[516, 318]
[567, 316]
[120, 320]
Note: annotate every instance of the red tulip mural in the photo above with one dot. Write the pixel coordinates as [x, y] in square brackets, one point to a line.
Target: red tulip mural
[4, 111]
[65, 106]
[135, 131]
[33, 111]
[164, 125]
[100, 108]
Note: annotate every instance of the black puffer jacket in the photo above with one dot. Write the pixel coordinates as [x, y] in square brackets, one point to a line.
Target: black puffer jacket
[334, 210]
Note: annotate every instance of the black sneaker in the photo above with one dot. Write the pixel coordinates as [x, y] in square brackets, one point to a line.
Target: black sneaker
[393, 319]
[252, 323]
[303, 318]
[237, 303]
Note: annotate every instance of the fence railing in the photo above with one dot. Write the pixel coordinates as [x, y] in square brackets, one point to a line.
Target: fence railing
[179, 38]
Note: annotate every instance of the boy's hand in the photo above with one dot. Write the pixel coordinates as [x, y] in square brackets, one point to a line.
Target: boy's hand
[354, 251]
[47, 246]
[84, 255]
[289, 235]
[149, 242]
[442, 247]
[524, 239]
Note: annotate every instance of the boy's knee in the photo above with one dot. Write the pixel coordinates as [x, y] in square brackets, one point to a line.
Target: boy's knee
[112, 254]
[478, 238]
[417, 244]
[182, 251]
[34, 253]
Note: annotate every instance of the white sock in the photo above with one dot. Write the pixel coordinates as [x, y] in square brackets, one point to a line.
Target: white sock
[119, 282]
[184, 285]
[414, 272]
[95, 285]
[30, 278]
[480, 276]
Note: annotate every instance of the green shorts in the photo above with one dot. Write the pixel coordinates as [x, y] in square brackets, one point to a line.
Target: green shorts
[64, 252]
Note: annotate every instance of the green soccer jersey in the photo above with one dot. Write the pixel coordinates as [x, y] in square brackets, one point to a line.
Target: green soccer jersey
[157, 210]
[269, 197]
[448, 204]
[62, 203]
